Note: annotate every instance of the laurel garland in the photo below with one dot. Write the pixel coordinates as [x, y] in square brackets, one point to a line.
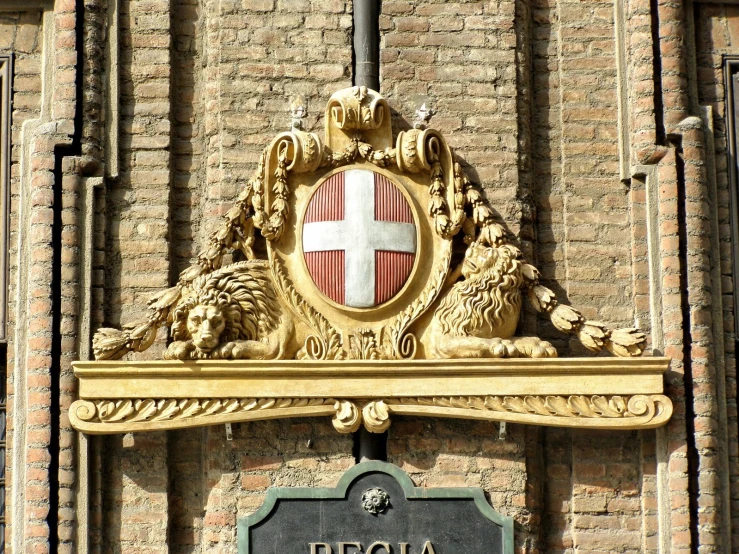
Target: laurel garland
[438, 208]
[273, 224]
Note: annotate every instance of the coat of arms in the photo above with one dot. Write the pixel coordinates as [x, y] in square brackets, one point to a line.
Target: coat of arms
[359, 238]
[373, 250]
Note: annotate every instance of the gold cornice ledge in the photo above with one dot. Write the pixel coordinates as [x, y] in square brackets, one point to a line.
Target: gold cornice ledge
[598, 393]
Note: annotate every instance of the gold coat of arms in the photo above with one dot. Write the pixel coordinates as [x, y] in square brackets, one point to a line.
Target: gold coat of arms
[367, 261]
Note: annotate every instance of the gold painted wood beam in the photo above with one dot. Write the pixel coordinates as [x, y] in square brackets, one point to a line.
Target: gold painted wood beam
[624, 393]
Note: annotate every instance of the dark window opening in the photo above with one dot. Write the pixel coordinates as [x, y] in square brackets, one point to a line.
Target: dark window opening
[731, 80]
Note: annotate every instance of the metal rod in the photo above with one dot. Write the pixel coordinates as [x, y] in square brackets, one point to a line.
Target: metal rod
[367, 43]
[372, 446]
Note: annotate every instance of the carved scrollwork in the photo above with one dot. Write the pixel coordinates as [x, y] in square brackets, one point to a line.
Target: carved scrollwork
[348, 417]
[376, 416]
[130, 411]
[105, 416]
[624, 412]
[637, 411]
[292, 152]
[422, 150]
[84, 410]
[415, 149]
[304, 150]
[325, 343]
[357, 108]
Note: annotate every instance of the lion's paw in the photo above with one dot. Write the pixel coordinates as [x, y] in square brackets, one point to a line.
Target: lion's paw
[223, 351]
[534, 347]
[179, 350]
[241, 350]
[502, 348]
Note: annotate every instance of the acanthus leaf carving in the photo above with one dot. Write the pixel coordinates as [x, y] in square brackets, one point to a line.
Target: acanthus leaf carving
[326, 343]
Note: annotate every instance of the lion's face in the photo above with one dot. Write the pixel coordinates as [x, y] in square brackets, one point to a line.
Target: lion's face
[478, 260]
[205, 325]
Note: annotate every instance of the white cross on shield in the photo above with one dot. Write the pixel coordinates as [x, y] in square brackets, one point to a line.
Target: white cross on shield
[359, 238]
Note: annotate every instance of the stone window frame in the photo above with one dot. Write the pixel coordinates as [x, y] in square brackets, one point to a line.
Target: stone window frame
[731, 92]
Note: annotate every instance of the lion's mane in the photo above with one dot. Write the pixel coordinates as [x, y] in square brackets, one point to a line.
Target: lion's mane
[476, 306]
[245, 295]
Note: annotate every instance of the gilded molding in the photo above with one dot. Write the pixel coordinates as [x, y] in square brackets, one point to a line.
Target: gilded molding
[597, 412]
[604, 393]
[126, 415]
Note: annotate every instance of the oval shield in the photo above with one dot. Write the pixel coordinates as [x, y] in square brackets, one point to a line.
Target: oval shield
[359, 238]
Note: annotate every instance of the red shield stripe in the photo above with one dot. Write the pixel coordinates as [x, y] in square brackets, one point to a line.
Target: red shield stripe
[392, 270]
[327, 270]
[390, 204]
[359, 231]
[327, 203]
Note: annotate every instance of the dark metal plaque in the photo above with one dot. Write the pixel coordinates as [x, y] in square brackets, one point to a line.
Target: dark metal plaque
[375, 509]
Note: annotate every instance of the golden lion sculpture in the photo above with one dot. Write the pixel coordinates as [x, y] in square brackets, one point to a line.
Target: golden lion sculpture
[236, 313]
[233, 313]
[477, 317]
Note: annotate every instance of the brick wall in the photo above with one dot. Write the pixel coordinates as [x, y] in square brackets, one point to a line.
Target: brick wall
[717, 33]
[259, 55]
[460, 58]
[205, 88]
[237, 65]
[214, 482]
[450, 453]
[582, 206]
[20, 33]
[526, 93]
[138, 204]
